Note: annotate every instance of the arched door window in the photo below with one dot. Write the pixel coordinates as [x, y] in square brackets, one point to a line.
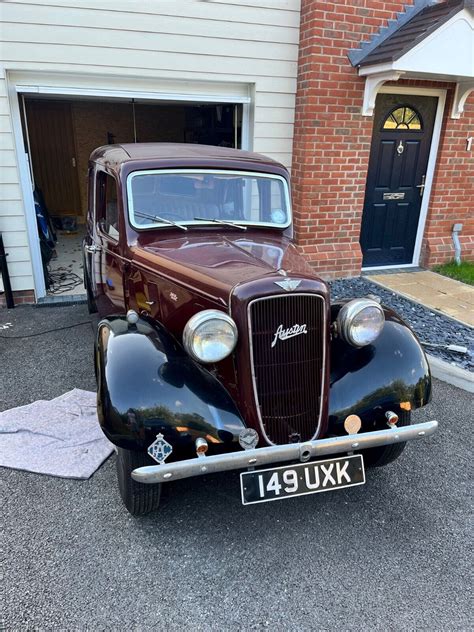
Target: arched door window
[403, 118]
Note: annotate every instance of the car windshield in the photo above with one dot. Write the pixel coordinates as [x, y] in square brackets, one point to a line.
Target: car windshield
[227, 198]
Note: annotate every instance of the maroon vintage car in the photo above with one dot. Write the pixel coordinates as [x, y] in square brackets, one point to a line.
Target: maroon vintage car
[219, 348]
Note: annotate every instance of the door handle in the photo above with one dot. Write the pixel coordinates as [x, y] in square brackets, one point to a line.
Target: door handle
[93, 248]
[421, 186]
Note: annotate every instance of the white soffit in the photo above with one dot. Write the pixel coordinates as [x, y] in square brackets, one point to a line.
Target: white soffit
[445, 55]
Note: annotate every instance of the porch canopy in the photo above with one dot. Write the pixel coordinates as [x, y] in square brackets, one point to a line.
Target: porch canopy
[431, 41]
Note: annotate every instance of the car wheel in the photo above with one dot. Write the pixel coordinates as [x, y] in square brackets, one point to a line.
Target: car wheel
[377, 457]
[138, 498]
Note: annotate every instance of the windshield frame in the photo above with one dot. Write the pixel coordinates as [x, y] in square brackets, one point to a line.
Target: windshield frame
[202, 223]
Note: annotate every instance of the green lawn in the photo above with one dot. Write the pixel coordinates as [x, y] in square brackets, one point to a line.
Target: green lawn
[463, 272]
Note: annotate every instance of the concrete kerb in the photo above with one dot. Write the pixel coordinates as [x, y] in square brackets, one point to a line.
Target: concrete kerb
[451, 374]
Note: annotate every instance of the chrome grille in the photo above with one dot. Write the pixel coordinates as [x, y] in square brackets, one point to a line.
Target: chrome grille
[288, 377]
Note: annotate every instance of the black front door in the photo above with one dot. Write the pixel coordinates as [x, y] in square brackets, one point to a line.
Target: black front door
[401, 140]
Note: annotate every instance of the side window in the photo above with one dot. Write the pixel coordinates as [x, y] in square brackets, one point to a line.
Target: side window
[107, 207]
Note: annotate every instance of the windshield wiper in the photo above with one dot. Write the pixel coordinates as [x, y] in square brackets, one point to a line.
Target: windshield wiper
[157, 218]
[221, 221]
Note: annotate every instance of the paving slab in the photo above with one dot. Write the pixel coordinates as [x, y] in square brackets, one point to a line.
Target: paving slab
[447, 295]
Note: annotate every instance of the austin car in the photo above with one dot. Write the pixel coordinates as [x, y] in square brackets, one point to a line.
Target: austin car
[218, 346]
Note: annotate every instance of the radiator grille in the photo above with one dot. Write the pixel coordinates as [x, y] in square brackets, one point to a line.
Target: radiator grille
[288, 376]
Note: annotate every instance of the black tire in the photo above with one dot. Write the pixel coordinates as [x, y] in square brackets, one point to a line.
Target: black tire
[91, 304]
[378, 457]
[138, 498]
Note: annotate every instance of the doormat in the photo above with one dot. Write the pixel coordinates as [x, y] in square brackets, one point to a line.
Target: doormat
[60, 437]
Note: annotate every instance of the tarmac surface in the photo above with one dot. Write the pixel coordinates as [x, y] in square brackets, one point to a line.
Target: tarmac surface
[392, 554]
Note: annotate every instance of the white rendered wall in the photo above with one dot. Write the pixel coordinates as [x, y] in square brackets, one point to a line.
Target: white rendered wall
[219, 47]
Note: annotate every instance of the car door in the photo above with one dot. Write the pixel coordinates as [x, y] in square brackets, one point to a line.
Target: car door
[107, 264]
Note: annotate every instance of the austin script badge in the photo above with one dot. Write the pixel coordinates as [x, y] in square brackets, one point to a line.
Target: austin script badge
[284, 334]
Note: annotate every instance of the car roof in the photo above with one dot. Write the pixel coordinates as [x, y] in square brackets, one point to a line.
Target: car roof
[166, 155]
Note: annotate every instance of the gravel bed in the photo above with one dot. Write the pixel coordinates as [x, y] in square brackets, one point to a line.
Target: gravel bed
[428, 325]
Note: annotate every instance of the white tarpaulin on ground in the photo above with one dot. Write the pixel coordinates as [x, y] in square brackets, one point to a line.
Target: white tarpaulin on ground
[60, 437]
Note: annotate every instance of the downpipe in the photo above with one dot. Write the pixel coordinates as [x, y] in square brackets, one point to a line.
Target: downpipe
[457, 228]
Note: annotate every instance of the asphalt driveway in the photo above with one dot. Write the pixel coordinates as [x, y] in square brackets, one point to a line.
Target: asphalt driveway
[393, 554]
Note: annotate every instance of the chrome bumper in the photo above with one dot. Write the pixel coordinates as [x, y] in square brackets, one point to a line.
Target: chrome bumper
[276, 454]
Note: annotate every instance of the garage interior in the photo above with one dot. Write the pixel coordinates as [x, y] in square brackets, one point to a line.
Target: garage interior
[60, 134]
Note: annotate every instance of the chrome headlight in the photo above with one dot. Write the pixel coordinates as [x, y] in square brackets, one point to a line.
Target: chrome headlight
[360, 321]
[210, 336]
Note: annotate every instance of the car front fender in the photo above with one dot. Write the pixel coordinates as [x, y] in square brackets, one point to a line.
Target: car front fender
[392, 371]
[148, 385]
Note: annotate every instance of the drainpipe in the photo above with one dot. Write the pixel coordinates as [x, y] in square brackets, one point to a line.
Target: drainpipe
[457, 228]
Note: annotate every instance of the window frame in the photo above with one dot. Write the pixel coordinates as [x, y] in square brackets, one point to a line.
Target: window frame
[402, 129]
[101, 218]
[204, 171]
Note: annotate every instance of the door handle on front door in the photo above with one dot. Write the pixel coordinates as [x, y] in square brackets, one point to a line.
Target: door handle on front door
[421, 186]
[92, 249]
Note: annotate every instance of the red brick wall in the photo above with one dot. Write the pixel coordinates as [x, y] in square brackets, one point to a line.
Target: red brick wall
[452, 196]
[332, 140]
[20, 297]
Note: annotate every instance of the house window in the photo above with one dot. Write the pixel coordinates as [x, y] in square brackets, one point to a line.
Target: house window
[403, 117]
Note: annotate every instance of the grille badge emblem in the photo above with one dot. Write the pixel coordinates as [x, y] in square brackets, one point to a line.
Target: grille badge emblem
[284, 334]
[288, 284]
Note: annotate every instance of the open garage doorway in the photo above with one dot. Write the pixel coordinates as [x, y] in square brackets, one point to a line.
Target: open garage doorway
[59, 135]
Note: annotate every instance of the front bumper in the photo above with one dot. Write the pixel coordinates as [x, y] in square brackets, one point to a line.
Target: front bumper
[276, 454]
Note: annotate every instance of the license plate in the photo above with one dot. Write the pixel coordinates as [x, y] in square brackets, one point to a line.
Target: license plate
[261, 486]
